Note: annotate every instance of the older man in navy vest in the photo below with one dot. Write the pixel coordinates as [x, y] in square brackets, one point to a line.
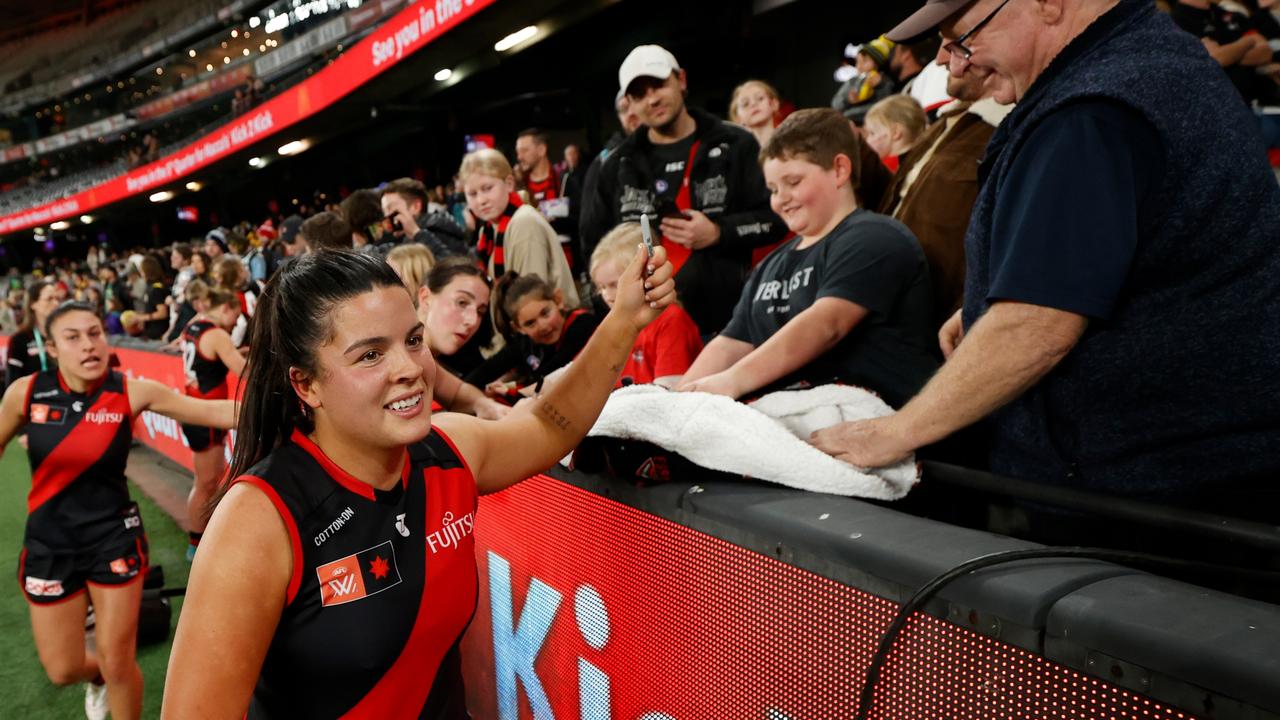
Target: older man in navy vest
[1121, 319]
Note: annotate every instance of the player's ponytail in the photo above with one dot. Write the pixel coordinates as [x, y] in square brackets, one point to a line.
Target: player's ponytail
[290, 324]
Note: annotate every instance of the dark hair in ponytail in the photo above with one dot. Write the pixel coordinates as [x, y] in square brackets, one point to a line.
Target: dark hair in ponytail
[509, 294]
[292, 321]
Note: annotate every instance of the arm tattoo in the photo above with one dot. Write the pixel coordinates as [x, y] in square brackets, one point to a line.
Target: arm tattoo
[550, 413]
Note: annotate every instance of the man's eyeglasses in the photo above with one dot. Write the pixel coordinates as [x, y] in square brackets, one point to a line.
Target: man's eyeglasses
[958, 47]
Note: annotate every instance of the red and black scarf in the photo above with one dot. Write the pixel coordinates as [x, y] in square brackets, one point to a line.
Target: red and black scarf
[491, 235]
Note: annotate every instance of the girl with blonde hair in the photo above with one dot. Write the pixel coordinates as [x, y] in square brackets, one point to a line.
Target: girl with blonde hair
[755, 107]
[513, 236]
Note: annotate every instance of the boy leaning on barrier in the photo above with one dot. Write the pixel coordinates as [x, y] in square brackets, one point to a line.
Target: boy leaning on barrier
[847, 300]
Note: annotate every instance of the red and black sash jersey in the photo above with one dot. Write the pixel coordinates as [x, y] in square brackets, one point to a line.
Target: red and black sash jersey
[78, 445]
[206, 377]
[491, 236]
[384, 585]
[547, 188]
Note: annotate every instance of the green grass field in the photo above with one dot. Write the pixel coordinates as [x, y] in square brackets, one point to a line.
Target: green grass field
[25, 691]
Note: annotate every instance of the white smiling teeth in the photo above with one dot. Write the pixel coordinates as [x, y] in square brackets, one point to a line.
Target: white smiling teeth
[406, 404]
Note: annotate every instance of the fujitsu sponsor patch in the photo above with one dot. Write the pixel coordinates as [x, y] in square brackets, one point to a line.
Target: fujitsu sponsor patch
[358, 576]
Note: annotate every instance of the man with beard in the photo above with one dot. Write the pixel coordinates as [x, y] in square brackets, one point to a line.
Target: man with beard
[699, 175]
[937, 182]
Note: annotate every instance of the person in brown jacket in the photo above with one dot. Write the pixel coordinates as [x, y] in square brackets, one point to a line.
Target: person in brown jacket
[937, 182]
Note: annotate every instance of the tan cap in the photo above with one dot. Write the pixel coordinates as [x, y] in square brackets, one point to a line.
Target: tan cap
[926, 19]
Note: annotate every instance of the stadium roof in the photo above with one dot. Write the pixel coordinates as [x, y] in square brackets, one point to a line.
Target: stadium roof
[24, 18]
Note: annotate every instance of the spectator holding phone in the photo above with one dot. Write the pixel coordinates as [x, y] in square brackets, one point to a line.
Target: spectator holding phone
[696, 172]
[403, 201]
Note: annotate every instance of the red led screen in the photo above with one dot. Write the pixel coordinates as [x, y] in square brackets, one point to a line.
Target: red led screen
[593, 610]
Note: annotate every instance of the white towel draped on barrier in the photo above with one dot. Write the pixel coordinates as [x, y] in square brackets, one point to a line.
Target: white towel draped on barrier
[765, 440]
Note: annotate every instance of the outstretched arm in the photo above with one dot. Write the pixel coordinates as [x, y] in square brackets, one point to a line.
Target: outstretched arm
[151, 395]
[505, 452]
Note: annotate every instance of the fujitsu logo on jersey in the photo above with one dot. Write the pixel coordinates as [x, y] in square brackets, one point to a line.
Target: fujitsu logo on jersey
[103, 417]
[451, 532]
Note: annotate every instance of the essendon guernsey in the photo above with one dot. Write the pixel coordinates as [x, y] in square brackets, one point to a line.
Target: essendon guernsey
[206, 377]
[78, 444]
[384, 585]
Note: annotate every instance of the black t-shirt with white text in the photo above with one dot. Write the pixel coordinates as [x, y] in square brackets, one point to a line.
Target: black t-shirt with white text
[868, 259]
[669, 163]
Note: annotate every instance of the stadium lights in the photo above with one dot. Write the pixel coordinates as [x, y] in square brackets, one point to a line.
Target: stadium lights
[515, 38]
[86, 219]
[255, 21]
[256, 162]
[235, 32]
[191, 53]
[194, 186]
[60, 225]
[293, 148]
[162, 196]
[443, 74]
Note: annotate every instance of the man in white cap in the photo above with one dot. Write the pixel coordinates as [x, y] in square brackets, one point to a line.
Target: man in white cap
[1118, 324]
[696, 173]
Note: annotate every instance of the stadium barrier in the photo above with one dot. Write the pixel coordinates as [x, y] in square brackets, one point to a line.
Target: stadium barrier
[600, 600]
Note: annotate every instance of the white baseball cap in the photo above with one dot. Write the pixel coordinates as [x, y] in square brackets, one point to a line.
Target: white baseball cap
[646, 61]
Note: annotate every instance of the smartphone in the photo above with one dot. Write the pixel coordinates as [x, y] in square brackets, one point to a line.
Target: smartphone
[392, 223]
[647, 234]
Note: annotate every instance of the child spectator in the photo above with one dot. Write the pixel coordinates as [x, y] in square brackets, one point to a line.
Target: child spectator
[513, 236]
[847, 300]
[667, 347]
[411, 262]
[543, 335]
[871, 83]
[755, 106]
[893, 126]
[231, 276]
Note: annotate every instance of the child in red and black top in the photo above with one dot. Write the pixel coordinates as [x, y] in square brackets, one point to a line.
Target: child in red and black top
[542, 335]
[667, 347]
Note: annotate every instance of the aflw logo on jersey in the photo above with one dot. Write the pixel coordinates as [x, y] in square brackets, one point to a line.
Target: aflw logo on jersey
[451, 532]
[358, 576]
[103, 417]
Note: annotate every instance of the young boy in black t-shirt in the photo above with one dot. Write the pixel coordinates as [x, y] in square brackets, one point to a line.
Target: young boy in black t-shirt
[847, 300]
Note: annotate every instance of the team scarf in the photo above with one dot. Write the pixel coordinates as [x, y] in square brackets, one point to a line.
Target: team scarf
[491, 235]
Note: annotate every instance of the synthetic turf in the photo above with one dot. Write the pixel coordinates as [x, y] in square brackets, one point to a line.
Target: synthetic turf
[24, 689]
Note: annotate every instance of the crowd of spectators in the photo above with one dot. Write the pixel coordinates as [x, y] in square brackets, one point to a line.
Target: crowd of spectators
[814, 246]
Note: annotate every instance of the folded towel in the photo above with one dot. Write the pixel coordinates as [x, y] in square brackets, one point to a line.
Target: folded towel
[765, 440]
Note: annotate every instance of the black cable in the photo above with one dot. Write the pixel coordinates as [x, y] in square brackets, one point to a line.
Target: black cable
[931, 588]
